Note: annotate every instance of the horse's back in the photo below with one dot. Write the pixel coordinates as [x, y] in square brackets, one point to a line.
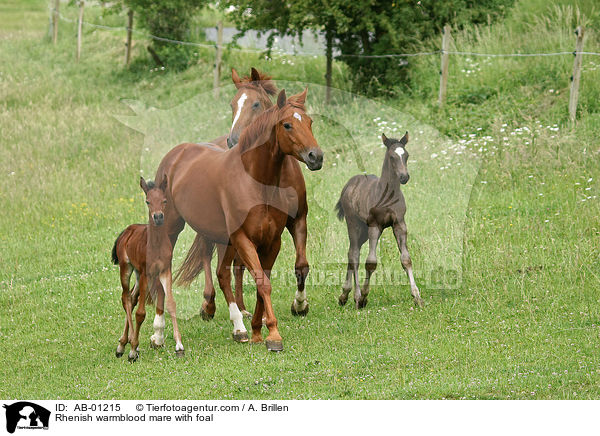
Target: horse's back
[133, 243]
[355, 194]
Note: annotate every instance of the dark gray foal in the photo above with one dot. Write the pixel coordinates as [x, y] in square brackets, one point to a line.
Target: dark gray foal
[370, 204]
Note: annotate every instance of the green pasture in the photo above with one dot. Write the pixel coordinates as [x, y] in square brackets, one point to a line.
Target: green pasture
[503, 193]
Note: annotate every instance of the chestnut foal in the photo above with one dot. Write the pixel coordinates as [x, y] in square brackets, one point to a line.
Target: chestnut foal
[147, 250]
[370, 204]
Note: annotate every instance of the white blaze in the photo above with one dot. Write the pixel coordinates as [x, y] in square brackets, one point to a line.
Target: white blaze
[297, 116]
[240, 104]
[400, 151]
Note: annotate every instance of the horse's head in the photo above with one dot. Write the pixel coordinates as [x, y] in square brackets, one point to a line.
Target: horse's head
[294, 131]
[156, 200]
[396, 156]
[250, 100]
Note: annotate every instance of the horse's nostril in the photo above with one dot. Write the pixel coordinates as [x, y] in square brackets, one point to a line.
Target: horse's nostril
[311, 155]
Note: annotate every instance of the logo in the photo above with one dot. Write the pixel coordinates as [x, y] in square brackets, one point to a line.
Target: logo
[26, 415]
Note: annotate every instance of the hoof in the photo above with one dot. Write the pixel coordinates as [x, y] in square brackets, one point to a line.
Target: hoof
[155, 345]
[240, 336]
[246, 314]
[133, 356]
[361, 303]
[419, 302]
[343, 300]
[302, 312]
[275, 346]
[119, 353]
[179, 353]
[205, 315]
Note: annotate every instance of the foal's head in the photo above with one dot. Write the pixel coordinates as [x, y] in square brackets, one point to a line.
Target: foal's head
[396, 157]
[251, 100]
[156, 200]
[294, 131]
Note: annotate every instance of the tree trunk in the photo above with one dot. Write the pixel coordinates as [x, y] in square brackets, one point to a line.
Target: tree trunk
[329, 55]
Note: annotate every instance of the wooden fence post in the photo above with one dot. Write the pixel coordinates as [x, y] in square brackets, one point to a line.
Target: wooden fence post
[444, 69]
[575, 79]
[219, 54]
[129, 31]
[79, 28]
[55, 21]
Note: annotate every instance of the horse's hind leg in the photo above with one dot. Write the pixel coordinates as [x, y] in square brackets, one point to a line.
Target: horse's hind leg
[125, 272]
[226, 255]
[238, 276]
[370, 264]
[208, 305]
[400, 232]
[297, 228]
[140, 316]
[357, 234]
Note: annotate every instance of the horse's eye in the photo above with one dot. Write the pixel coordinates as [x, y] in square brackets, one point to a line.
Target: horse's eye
[256, 105]
[164, 201]
[287, 126]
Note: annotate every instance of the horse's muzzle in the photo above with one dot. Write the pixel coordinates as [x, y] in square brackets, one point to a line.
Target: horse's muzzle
[159, 219]
[404, 179]
[313, 158]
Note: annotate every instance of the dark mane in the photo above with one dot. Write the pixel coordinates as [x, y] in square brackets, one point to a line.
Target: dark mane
[151, 184]
[265, 83]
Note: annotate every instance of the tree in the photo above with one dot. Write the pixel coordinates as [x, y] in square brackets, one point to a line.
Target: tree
[359, 28]
[167, 19]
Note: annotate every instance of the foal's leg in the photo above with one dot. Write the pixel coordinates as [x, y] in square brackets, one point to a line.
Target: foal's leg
[370, 265]
[357, 233]
[125, 271]
[140, 316]
[247, 252]
[157, 340]
[297, 228]
[165, 279]
[226, 255]
[400, 233]
[238, 275]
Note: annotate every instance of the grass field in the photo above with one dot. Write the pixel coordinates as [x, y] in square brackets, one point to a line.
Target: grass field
[523, 322]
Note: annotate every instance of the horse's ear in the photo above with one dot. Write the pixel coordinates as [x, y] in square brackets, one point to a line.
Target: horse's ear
[255, 75]
[300, 98]
[385, 140]
[143, 185]
[404, 139]
[163, 184]
[236, 78]
[281, 99]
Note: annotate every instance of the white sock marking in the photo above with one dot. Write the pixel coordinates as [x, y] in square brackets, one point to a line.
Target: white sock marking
[236, 317]
[240, 104]
[159, 328]
[300, 301]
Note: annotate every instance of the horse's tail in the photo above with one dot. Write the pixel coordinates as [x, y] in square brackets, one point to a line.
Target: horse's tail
[115, 257]
[338, 206]
[192, 264]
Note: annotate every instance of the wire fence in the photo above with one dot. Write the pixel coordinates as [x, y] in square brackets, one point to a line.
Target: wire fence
[444, 52]
[256, 50]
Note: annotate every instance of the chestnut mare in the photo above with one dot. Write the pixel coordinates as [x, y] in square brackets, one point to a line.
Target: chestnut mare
[145, 249]
[250, 101]
[251, 210]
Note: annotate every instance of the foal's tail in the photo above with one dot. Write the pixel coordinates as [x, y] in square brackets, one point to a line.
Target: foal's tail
[192, 264]
[338, 206]
[115, 258]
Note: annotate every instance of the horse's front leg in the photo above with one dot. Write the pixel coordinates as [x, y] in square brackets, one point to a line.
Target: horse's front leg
[157, 340]
[370, 265]
[166, 282]
[297, 228]
[208, 305]
[226, 255]
[125, 270]
[401, 235]
[249, 255]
